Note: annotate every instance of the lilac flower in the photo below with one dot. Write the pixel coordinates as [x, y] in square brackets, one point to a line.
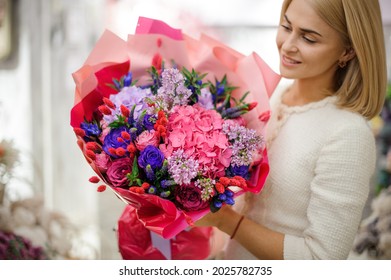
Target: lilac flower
[173, 91]
[171, 77]
[207, 187]
[243, 142]
[182, 95]
[182, 167]
[205, 99]
[129, 96]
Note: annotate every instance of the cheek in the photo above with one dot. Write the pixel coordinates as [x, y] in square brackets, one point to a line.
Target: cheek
[279, 39]
[326, 57]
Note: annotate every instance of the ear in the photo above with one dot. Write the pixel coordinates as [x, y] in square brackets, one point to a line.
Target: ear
[348, 54]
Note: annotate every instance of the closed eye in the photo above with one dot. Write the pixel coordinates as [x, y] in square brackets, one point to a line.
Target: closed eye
[311, 41]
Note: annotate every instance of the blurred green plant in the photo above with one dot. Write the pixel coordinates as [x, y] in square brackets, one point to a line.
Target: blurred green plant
[383, 179]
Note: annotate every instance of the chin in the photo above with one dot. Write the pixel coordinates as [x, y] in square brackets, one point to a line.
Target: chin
[288, 74]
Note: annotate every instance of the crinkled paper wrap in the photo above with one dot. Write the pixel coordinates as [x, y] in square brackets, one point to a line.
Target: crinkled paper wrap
[136, 242]
[113, 57]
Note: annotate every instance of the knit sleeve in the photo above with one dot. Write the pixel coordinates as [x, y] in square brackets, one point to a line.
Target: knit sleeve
[339, 192]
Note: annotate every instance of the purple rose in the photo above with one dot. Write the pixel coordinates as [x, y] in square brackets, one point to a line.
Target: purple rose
[117, 171]
[152, 156]
[149, 121]
[188, 198]
[111, 140]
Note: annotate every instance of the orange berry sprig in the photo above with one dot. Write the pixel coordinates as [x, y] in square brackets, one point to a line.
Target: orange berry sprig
[79, 132]
[223, 193]
[92, 148]
[106, 108]
[161, 123]
[96, 180]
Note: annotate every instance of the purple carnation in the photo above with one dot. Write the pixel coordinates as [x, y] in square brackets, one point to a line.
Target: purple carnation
[152, 156]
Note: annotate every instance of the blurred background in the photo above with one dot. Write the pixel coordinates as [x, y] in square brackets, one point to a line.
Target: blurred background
[42, 42]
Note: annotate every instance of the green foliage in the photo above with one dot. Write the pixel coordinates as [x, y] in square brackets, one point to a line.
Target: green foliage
[388, 95]
[134, 176]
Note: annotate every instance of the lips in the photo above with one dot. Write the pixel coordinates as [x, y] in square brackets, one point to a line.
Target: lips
[289, 61]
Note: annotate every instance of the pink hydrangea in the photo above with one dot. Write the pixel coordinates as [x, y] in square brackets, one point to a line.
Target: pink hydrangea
[198, 132]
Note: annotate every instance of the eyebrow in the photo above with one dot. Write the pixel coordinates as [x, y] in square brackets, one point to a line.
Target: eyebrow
[305, 30]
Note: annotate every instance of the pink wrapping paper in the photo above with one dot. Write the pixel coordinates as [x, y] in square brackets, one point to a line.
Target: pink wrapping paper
[113, 57]
[135, 241]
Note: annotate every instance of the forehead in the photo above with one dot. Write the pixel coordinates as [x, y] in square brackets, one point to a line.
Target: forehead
[302, 14]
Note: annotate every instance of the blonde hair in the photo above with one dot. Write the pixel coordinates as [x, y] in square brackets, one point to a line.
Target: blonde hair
[361, 85]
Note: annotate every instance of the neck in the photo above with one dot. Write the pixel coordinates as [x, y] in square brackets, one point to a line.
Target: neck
[303, 92]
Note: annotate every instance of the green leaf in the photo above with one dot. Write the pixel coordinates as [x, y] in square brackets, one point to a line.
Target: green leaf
[111, 86]
[244, 97]
[121, 121]
[135, 171]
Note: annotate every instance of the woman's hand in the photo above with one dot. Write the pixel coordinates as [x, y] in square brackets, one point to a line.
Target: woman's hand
[215, 219]
[262, 242]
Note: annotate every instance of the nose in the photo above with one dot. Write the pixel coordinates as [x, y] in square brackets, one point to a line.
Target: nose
[289, 43]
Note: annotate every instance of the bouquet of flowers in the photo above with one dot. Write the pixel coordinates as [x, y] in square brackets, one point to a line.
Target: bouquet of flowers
[171, 124]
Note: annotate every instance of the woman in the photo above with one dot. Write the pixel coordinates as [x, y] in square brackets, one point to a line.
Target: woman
[321, 149]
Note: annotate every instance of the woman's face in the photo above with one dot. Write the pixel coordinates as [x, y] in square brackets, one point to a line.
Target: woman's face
[309, 48]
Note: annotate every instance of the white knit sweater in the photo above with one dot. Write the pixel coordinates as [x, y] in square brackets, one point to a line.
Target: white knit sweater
[321, 161]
